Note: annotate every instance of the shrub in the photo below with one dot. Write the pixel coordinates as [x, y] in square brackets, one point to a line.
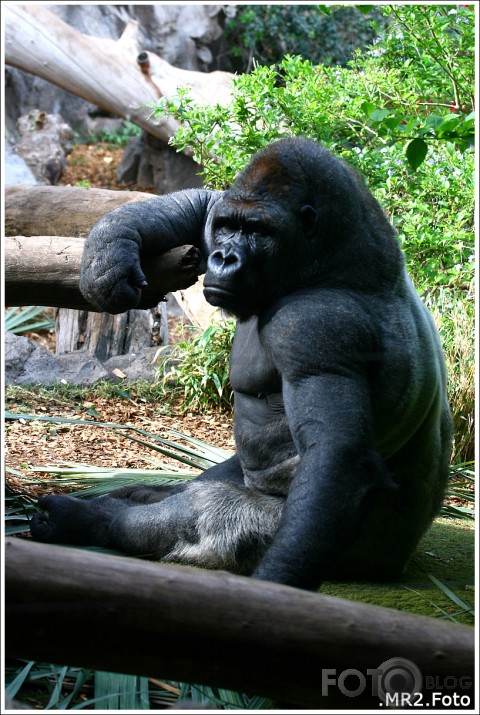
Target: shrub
[401, 112]
[200, 369]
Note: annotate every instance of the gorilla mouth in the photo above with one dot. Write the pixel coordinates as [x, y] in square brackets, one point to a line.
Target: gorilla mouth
[231, 303]
[220, 296]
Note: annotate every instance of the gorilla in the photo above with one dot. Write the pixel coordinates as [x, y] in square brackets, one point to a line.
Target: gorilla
[341, 422]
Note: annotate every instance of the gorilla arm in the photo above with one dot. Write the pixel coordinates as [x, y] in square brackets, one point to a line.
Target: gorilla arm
[328, 406]
[338, 469]
[111, 277]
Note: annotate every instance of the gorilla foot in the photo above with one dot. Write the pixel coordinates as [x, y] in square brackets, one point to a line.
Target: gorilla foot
[64, 519]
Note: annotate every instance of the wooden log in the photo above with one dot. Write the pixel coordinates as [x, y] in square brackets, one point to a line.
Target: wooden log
[45, 270]
[115, 613]
[46, 227]
[114, 75]
[60, 210]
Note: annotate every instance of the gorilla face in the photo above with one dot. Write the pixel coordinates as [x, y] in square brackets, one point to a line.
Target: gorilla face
[244, 242]
[254, 249]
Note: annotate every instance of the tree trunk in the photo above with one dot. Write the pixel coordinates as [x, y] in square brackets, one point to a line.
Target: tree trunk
[45, 270]
[114, 75]
[88, 609]
[60, 210]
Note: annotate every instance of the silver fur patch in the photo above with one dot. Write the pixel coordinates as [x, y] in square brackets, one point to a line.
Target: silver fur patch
[273, 480]
[234, 526]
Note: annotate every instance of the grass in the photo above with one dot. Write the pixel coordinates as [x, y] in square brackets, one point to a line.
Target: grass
[454, 317]
[22, 320]
[198, 369]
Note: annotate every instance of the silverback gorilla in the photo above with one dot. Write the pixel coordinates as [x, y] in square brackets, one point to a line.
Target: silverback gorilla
[341, 422]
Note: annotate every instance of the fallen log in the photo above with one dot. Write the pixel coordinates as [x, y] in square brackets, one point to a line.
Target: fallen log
[42, 262]
[60, 210]
[45, 270]
[117, 76]
[115, 613]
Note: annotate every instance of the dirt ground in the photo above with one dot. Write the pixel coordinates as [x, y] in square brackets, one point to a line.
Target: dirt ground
[95, 165]
[36, 444]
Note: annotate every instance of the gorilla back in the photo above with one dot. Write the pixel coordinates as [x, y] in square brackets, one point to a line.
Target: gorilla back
[341, 421]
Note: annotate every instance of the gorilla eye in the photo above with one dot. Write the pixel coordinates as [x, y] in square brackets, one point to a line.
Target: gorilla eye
[223, 234]
[257, 230]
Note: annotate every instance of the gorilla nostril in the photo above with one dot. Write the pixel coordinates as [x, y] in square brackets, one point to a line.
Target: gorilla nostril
[230, 258]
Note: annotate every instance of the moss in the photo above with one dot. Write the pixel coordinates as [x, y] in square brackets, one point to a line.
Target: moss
[447, 552]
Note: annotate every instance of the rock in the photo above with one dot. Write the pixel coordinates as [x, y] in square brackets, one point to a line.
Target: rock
[149, 163]
[16, 169]
[80, 369]
[26, 364]
[136, 366]
[45, 140]
[17, 349]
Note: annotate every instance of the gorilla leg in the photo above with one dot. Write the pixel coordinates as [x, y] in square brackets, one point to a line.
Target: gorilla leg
[230, 470]
[209, 523]
[216, 525]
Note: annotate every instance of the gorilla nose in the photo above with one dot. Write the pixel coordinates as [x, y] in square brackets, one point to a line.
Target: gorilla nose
[225, 259]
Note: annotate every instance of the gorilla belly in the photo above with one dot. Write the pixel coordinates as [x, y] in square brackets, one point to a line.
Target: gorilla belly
[264, 443]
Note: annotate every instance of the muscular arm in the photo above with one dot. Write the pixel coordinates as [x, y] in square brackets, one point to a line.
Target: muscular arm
[328, 406]
[339, 467]
[111, 276]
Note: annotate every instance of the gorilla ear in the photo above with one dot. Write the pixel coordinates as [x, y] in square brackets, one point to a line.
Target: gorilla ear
[309, 220]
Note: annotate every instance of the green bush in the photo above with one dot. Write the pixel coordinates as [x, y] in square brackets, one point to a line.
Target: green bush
[119, 138]
[319, 33]
[401, 112]
[199, 369]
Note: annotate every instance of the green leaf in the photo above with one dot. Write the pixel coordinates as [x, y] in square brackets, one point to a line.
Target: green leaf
[367, 107]
[449, 125]
[416, 151]
[364, 9]
[433, 121]
[379, 114]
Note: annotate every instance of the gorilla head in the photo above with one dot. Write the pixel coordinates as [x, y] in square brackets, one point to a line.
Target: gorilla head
[297, 216]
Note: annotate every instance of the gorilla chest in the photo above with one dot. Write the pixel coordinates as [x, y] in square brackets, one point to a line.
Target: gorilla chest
[262, 434]
[252, 372]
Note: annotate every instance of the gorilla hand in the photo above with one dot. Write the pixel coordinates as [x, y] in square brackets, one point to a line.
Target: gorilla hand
[112, 280]
[111, 277]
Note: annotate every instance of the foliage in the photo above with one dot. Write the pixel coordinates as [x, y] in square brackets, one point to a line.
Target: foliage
[401, 112]
[387, 94]
[55, 687]
[454, 316]
[414, 151]
[326, 34]
[22, 320]
[201, 368]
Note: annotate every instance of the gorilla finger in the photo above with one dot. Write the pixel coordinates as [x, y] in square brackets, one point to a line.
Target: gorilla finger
[122, 296]
[137, 277]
